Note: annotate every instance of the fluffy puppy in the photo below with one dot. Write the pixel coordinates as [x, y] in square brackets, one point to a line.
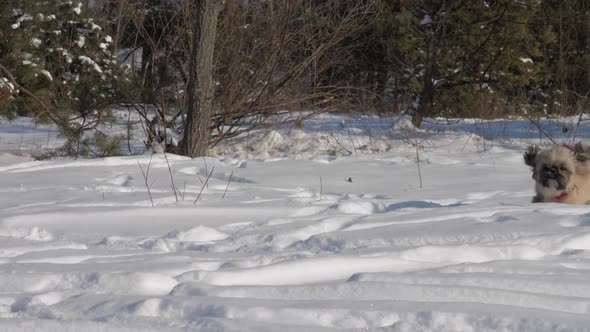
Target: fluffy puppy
[561, 174]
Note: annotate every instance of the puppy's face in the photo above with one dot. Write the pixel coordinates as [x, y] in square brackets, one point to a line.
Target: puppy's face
[554, 169]
[561, 174]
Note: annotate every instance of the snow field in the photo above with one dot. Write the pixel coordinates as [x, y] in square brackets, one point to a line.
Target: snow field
[293, 245]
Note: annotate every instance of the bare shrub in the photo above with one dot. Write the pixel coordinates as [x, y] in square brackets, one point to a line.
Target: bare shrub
[276, 62]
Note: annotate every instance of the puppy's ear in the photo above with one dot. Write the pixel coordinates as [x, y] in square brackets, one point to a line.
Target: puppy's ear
[530, 155]
[582, 152]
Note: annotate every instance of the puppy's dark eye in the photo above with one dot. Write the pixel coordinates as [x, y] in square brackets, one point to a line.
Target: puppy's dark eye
[562, 168]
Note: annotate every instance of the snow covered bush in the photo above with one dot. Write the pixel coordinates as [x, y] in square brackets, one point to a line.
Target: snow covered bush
[64, 60]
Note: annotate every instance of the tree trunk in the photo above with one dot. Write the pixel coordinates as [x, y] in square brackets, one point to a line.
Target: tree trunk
[397, 98]
[200, 89]
[427, 92]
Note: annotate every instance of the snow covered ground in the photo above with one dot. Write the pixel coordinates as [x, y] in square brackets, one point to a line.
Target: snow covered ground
[323, 228]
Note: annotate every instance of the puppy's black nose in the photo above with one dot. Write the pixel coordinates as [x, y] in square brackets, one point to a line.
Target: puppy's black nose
[551, 172]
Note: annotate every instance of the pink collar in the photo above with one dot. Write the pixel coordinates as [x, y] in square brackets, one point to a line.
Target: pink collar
[560, 196]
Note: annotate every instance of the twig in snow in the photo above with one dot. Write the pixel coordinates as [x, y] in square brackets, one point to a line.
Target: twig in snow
[146, 176]
[206, 171]
[204, 184]
[542, 131]
[417, 146]
[335, 138]
[321, 187]
[469, 139]
[129, 131]
[418, 165]
[351, 141]
[228, 181]
[199, 177]
[183, 191]
[171, 178]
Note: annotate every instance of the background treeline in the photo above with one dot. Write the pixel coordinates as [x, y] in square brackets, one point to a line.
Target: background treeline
[281, 61]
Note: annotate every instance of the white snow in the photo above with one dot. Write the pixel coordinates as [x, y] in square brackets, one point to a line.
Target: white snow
[81, 41]
[23, 18]
[36, 42]
[47, 74]
[95, 27]
[320, 228]
[88, 61]
[426, 20]
[5, 83]
[78, 8]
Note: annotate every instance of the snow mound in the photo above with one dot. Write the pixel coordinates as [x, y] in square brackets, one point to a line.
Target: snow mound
[30, 233]
[358, 207]
[197, 234]
[120, 180]
[403, 124]
[137, 283]
[474, 254]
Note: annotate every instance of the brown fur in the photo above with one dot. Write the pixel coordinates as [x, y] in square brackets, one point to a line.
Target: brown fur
[563, 170]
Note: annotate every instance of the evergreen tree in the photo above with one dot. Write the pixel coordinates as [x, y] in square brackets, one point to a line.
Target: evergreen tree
[449, 53]
[563, 30]
[61, 56]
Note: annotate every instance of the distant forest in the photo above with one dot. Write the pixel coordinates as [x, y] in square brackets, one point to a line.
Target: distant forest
[207, 70]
